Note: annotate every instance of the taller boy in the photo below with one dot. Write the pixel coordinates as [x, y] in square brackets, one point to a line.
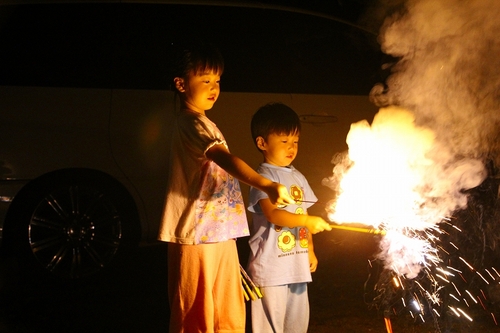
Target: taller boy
[204, 210]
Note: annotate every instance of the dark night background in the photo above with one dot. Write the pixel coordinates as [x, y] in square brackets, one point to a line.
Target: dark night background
[131, 296]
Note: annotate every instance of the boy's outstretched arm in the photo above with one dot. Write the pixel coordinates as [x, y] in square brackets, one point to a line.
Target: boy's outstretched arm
[284, 218]
[237, 168]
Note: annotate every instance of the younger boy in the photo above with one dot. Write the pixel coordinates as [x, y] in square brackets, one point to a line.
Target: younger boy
[281, 248]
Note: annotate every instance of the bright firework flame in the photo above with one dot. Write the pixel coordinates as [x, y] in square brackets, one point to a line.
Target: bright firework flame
[385, 182]
[410, 171]
[378, 185]
[388, 181]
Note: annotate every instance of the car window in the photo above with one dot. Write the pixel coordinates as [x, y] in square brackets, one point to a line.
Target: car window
[122, 45]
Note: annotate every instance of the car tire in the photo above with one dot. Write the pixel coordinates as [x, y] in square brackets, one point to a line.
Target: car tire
[72, 223]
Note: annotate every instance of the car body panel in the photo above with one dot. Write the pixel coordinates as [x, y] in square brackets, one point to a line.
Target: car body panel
[125, 134]
[91, 92]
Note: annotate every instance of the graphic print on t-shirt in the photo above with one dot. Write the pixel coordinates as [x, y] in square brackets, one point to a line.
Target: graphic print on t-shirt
[287, 239]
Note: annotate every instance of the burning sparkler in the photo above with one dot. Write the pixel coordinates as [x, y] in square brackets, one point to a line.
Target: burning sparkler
[416, 248]
[359, 229]
[412, 170]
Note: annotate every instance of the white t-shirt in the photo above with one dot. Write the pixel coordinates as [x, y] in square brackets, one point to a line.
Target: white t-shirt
[279, 255]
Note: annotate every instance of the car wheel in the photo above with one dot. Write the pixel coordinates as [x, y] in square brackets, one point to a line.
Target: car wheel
[73, 223]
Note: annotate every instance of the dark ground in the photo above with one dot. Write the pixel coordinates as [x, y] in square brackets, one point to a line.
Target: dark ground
[132, 297]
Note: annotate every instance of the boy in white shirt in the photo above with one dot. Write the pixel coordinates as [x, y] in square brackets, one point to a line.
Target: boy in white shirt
[282, 255]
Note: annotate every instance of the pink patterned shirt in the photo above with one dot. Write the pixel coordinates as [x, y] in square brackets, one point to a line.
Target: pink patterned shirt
[204, 203]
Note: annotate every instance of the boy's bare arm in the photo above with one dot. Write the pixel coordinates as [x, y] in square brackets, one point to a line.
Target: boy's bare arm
[237, 168]
[283, 218]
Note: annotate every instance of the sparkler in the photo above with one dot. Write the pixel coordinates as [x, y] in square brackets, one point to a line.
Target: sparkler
[358, 229]
[297, 201]
[250, 289]
[414, 173]
[396, 192]
[307, 201]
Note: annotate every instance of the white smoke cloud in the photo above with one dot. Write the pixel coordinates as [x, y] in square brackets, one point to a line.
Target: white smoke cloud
[447, 75]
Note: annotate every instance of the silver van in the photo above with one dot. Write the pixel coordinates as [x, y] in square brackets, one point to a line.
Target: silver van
[85, 111]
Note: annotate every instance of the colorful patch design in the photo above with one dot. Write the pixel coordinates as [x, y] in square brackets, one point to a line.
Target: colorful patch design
[296, 193]
[303, 240]
[286, 241]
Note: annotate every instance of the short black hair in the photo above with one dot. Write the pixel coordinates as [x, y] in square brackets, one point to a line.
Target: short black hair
[275, 118]
[198, 57]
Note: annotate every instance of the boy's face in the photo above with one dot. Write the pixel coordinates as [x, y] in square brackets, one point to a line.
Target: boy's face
[279, 149]
[199, 92]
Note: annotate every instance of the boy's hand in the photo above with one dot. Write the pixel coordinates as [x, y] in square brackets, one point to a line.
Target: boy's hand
[313, 261]
[278, 195]
[316, 224]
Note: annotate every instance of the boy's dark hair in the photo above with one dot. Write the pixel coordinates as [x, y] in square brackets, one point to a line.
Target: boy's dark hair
[199, 58]
[274, 118]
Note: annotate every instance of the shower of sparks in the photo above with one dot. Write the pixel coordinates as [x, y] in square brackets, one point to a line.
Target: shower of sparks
[388, 182]
[438, 288]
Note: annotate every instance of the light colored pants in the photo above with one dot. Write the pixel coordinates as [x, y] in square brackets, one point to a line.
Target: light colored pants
[204, 287]
[283, 309]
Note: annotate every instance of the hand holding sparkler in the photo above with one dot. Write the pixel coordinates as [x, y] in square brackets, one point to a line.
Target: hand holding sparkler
[278, 194]
[335, 225]
[283, 218]
[316, 224]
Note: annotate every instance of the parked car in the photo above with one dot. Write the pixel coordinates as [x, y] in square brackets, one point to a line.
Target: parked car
[85, 111]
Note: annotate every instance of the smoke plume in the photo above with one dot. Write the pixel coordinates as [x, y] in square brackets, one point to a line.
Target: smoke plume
[441, 101]
[447, 73]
